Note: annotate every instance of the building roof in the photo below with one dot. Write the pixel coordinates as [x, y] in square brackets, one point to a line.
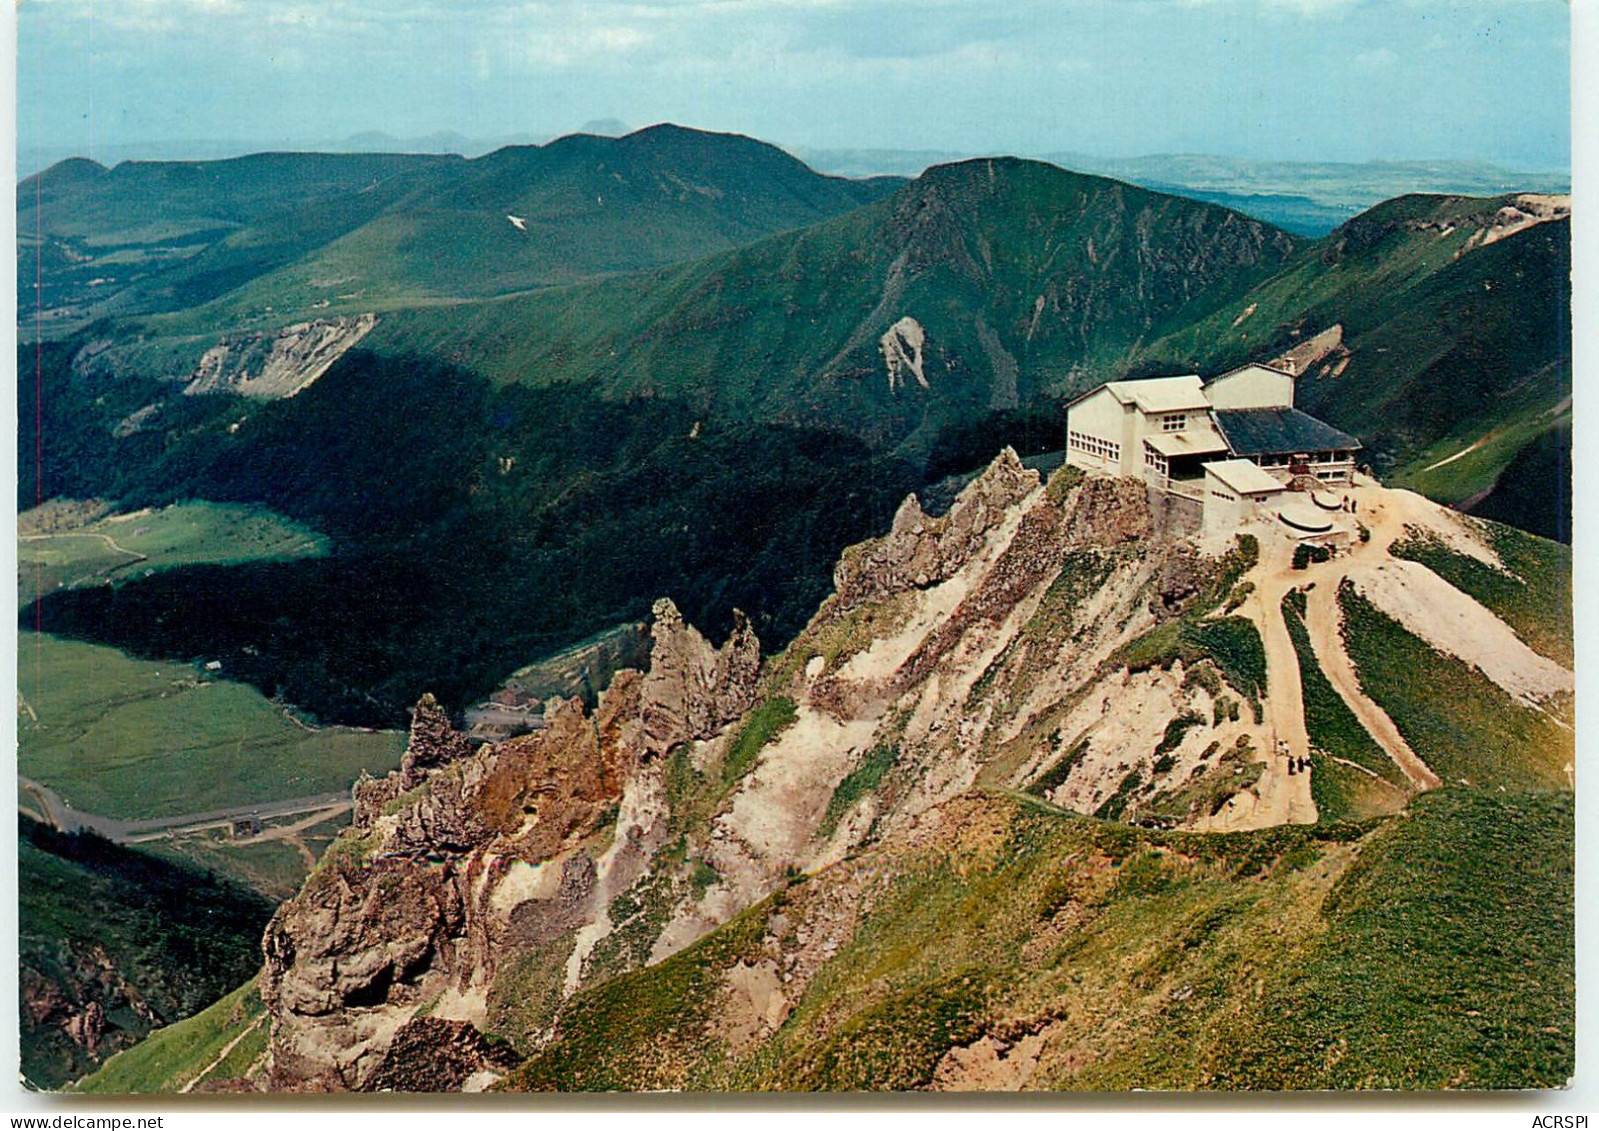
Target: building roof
[1193, 442]
[1244, 477]
[1279, 431]
[1277, 369]
[1161, 394]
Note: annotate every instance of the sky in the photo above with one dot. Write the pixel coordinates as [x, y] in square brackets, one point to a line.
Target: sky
[1337, 80]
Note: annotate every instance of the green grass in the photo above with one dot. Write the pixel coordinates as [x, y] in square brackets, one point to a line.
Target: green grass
[76, 554]
[274, 868]
[1055, 776]
[860, 781]
[1209, 787]
[1486, 455]
[133, 739]
[764, 724]
[1457, 720]
[179, 1054]
[526, 993]
[1082, 573]
[1534, 598]
[638, 1031]
[896, 1043]
[1448, 959]
[1232, 643]
[1330, 956]
[1340, 792]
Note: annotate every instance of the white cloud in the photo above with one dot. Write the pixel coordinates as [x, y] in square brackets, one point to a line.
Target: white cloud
[135, 15]
[1377, 57]
[565, 46]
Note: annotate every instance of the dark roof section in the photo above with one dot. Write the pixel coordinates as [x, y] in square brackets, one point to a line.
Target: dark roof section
[1279, 431]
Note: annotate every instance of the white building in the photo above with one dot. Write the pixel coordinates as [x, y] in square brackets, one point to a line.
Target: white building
[1192, 439]
[1235, 489]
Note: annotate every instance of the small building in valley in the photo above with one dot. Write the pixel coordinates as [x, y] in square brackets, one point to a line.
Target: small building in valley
[1216, 444]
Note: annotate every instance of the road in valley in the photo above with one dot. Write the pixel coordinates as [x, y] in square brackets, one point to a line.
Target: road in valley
[64, 817]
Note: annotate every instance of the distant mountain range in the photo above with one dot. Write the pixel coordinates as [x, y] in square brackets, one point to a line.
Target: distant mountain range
[1308, 198]
[1305, 197]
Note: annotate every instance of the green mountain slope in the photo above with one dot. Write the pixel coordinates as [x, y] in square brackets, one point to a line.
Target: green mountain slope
[597, 447]
[536, 432]
[297, 235]
[115, 943]
[164, 235]
[1039, 950]
[1024, 279]
[916, 919]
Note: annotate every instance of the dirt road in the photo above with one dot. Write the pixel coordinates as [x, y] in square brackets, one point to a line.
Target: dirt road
[1385, 514]
[65, 818]
[1324, 621]
[1284, 798]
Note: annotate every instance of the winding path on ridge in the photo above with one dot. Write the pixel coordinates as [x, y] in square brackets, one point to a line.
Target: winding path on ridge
[1284, 797]
[1385, 513]
[1324, 622]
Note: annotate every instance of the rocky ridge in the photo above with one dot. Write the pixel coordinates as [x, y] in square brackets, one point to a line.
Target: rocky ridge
[1005, 646]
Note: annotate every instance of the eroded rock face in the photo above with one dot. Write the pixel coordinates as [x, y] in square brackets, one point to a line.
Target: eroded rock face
[901, 346]
[462, 855]
[920, 551]
[429, 1054]
[281, 364]
[692, 689]
[565, 843]
[434, 742]
[88, 1001]
[394, 913]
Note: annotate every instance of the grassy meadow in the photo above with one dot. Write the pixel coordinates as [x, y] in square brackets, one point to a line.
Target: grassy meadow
[65, 546]
[134, 739]
[217, 1044]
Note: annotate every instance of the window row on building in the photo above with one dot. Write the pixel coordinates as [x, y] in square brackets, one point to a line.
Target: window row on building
[1094, 446]
[1313, 457]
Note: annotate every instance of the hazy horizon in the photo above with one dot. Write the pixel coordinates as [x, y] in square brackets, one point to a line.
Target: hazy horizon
[460, 143]
[1291, 80]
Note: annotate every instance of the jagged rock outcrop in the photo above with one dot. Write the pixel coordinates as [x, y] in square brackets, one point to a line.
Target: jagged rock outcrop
[692, 689]
[1022, 642]
[920, 551]
[79, 1007]
[463, 854]
[433, 742]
